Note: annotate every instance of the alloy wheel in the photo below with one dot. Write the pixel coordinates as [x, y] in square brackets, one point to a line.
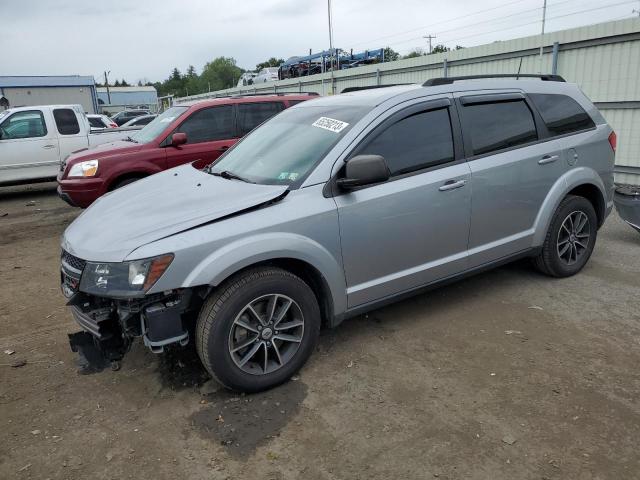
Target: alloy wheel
[266, 334]
[573, 237]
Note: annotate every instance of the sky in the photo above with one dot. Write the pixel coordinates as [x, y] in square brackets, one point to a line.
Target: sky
[145, 39]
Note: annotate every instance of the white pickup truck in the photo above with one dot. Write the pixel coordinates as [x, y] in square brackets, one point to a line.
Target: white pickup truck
[34, 140]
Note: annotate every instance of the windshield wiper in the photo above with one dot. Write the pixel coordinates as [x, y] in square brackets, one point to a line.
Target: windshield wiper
[230, 176]
[129, 139]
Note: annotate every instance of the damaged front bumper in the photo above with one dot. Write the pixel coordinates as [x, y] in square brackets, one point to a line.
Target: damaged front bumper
[110, 325]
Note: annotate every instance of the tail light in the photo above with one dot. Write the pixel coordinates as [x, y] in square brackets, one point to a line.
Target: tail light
[613, 141]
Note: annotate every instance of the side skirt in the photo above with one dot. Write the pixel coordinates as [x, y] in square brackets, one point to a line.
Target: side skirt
[367, 307]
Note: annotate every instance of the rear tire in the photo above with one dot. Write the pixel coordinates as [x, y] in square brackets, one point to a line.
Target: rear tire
[570, 239]
[258, 329]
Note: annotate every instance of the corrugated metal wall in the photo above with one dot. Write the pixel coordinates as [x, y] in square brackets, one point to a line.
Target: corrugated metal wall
[604, 59]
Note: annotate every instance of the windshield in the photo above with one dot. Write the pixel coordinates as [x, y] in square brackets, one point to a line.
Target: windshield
[151, 131]
[285, 149]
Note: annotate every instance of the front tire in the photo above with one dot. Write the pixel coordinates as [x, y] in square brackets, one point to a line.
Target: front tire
[258, 329]
[570, 239]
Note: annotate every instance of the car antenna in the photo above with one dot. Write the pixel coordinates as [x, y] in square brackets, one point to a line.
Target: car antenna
[519, 67]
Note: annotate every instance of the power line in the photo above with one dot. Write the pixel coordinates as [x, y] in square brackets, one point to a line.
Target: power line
[499, 19]
[452, 19]
[548, 18]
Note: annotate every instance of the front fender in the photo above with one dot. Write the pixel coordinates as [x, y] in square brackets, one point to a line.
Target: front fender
[567, 182]
[231, 258]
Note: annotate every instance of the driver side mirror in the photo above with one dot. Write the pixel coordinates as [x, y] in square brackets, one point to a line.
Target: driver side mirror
[364, 170]
[178, 139]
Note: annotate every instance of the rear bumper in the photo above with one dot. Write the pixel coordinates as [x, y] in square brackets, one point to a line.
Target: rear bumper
[627, 203]
[80, 193]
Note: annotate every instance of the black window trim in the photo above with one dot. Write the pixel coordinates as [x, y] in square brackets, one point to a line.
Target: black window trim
[44, 123]
[331, 189]
[466, 100]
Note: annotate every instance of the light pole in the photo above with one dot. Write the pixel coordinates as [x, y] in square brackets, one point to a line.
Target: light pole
[544, 17]
[330, 42]
[106, 82]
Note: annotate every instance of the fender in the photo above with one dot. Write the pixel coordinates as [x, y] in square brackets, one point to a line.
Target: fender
[567, 182]
[231, 258]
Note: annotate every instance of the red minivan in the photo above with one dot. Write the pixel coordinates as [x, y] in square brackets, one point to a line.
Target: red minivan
[195, 132]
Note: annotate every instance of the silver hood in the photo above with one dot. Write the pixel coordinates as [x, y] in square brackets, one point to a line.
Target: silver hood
[157, 207]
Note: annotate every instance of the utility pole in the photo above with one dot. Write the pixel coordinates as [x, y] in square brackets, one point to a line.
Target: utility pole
[544, 18]
[106, 83]
[429, 37]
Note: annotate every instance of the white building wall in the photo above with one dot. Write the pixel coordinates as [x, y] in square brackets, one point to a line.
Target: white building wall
[26, 96]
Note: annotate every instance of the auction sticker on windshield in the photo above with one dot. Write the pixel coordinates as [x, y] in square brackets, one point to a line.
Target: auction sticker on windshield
[330, 124]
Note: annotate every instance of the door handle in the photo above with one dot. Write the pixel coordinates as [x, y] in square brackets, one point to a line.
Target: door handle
[48, 147]
[548, 159]
[452, 184]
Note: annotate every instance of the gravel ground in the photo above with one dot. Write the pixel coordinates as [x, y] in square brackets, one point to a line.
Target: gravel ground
[506, 375]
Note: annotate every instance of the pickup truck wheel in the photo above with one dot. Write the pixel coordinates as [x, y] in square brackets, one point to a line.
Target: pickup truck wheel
[570, 239]
[257, 329]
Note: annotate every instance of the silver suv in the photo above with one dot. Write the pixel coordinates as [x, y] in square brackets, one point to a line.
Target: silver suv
[335, 207]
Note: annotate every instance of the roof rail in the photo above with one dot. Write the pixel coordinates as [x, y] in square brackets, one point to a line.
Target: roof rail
[432, 82]
[368, 87]
[277, 94]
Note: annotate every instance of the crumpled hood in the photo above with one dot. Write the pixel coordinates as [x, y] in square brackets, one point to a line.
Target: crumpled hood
[156, 207]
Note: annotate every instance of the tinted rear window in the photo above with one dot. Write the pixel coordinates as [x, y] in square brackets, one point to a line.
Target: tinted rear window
[66, 121]
[561, 114]
[250, 115]
[497, 126]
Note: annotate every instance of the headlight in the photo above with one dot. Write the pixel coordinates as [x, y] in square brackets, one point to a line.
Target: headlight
[124, 279]
[84, 169]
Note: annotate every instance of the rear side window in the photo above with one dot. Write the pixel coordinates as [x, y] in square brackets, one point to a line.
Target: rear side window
[209, 124]
[561, 114]
[250, 115]
[66, 121]
[294, 102]
[419, 141]
[96, 122]
[500, 125]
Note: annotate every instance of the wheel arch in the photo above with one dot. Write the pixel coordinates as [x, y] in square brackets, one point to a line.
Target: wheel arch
[299, 255]
[116, 179]
[584, 182]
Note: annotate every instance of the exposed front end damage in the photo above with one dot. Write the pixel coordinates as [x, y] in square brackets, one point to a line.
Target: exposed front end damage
[110, 325]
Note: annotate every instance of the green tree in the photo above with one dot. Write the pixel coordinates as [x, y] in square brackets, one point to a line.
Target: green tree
[390, 55]
[272, 62]
[220, 73]
[416, 52]
[440, 49]
[123, 83]
[117, 83]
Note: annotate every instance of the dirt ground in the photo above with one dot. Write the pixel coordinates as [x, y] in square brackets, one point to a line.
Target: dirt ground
[506, 375]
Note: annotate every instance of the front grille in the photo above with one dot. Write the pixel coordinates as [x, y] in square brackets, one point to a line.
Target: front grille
[73, 262]
[70, 273]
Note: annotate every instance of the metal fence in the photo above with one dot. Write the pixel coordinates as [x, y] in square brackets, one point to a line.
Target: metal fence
[604, 59]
